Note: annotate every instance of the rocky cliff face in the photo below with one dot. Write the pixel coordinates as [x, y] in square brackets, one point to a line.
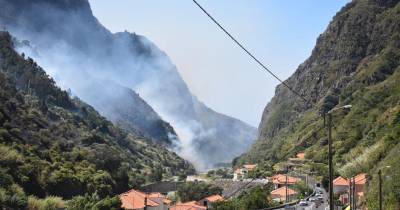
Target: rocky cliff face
[355, 61]
[84, 56]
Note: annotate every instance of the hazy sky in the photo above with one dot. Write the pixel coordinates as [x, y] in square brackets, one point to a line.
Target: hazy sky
[281, 33]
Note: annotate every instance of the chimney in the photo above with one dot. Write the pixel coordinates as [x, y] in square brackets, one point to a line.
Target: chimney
[145, 203]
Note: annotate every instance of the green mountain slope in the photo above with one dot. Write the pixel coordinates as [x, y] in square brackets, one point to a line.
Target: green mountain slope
[355, 61]
[51, 144]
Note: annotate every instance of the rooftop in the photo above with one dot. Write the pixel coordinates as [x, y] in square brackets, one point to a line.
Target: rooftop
[340, 181]
[188, 206]
[135, 199]
[281, 179]
[282, 192]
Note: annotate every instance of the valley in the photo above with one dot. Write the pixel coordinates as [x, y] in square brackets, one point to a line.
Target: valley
[92, 119]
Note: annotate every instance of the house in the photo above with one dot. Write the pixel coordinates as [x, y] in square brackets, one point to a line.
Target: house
[360, 182]
[208, 201]
[137, 200]
[341, 188]
[279, 180]
[192, 205]
[297, 161]
[242, 172]
[340, 185]
[279, 194]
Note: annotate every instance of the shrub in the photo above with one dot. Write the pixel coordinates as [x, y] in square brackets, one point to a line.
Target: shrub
[197, 190]
[49, 203]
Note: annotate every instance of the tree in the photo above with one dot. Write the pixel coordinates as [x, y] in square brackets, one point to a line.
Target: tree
[257, 198]
[91, 202]
[197, 190]
[156, 174]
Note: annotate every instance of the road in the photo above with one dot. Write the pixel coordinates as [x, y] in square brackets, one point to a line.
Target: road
[312, 205]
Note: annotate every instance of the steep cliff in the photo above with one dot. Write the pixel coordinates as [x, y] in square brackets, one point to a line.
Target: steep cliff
[355, 61]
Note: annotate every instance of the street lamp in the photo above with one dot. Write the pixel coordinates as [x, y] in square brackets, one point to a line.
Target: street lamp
[331, 204]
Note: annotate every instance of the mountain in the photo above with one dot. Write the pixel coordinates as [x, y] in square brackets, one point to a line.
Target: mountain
[82, 55]
[355, 61]
[51, 144]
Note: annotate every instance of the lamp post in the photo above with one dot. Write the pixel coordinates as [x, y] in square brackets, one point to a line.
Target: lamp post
[331, 204]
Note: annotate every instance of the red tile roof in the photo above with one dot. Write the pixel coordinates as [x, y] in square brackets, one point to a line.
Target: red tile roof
[250, 166]
[281, 179]
[214, 198]
[135, 199]
[281, 192]
[361, 178]
[188, 206]
[340, 181]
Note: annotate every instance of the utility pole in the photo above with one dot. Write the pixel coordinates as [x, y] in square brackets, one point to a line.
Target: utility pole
[380, 189]
[354, 194]
[351, 193]
[286, 187]
[331, 205]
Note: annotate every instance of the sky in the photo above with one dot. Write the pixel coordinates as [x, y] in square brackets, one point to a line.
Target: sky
[280, 33]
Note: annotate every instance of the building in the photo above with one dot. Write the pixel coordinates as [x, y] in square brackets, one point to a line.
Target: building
[341, 188]
[279, 180]
[137, 200]
[208, 201]
[340, 185]
[279, 194]
[297, 161]
[360, 182]
[242, 172]
[192, 205]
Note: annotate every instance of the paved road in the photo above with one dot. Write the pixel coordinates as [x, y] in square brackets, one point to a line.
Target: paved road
[312, 205]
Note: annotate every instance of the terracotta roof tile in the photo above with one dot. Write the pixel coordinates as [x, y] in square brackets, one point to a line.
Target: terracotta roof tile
[214, 198]
[250, 166]
[340, 181]
[188, 206]
[282, 192]
[135, 199]
[361, 178]
[281, 179]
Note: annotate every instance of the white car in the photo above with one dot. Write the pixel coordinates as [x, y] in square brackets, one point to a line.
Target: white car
[303, 203]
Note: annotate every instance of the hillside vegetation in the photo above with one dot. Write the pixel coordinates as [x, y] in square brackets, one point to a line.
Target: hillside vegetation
[52, 145]
[356, 61]
[152, 98]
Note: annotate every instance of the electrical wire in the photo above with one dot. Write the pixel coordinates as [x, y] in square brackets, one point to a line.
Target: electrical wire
[249, 53]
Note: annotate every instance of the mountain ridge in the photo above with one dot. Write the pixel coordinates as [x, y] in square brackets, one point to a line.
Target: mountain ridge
[355, 61]
[72, 40]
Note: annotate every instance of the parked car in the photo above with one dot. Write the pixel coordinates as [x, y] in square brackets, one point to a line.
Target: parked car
[290, 207]
[303, 203]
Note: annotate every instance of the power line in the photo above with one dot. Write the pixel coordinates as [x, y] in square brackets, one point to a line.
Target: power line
[248, 52]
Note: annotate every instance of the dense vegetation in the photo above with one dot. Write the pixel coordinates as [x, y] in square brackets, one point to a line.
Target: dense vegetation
[256, 198]
[356, 61]
[52, 145]
[195, 191]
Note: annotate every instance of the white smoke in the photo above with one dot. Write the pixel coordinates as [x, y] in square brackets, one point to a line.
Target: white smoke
[83, 56]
